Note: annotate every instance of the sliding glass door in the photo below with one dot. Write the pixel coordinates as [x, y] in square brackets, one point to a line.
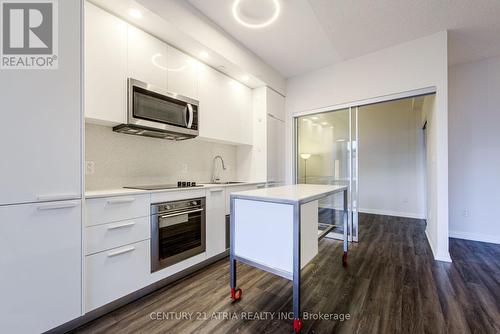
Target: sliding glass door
[326, 149]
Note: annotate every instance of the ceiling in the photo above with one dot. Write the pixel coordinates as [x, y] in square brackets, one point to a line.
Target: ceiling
[311, 34]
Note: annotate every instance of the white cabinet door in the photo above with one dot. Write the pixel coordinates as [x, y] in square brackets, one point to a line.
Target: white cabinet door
[116, 273]
[147, 58]
[225, 107]
[40, 141]
[182, 73]
[275, 104]
[213, 106]
[275, 150]
[105, 67]
[239, 98]
[216, 222]
[40, 281]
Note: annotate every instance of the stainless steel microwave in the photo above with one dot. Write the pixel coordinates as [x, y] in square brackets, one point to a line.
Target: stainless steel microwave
[155, 112]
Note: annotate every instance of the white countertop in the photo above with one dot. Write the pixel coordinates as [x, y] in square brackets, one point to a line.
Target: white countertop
[125, 191]
[297, 193]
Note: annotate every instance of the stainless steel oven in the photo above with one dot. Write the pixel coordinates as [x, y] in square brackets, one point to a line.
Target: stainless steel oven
[155, 112]
[177, 231]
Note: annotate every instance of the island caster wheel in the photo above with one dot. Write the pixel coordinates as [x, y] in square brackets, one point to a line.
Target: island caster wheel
[297, 325]
[236, 294]
[344, 259]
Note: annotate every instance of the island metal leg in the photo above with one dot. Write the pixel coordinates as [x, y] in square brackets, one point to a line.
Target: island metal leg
[297, 319]
[346, 227]
[235, 292]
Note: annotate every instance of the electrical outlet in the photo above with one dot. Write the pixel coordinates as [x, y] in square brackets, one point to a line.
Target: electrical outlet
[466, 213]
[89, 167]
[184, 169]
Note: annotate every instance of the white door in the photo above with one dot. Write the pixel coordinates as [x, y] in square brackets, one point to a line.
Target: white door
[40, 141]
[147, 58]
[40, 261]
[105, 67]
[275, 150]
[182, 71]
[215, 222]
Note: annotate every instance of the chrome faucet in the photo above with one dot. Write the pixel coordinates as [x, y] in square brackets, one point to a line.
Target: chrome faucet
[216, 179]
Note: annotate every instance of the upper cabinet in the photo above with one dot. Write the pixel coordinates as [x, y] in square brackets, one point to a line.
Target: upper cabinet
[105, 67]
[115, 50]
[275, 104]
[182, 73]
[147, 58]
[225, 107]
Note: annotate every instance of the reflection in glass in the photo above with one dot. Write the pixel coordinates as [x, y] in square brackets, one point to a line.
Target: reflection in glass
[324, 150]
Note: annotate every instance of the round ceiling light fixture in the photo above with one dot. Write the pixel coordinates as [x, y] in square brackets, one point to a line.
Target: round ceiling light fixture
[238, 18]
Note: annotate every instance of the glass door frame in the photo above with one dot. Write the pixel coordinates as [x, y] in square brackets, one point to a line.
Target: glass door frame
[353, 168]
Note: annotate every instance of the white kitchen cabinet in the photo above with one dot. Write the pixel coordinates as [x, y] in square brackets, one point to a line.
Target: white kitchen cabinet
[105, 67]
[225, 107]
[182, 73]
[103, 237]
[40, 141]
[275, 150]
[40, 280]
[275, 108]
[147, 58]
[115, 273]
[215, 222]
[275, 104]
[117, 208]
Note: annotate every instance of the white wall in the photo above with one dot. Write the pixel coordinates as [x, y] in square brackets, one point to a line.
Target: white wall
[409, 66]
[122, 159]
[429, 116]
[475, 150]
[391, 159]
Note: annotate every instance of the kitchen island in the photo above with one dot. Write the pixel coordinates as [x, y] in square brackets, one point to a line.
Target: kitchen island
[276, 230]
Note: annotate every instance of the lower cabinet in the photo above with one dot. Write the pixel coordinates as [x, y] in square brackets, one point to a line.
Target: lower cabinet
[115, 273]
[215, 222]
[40, 266]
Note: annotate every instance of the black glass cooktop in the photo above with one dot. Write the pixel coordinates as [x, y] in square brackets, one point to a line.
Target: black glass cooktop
[161, 186]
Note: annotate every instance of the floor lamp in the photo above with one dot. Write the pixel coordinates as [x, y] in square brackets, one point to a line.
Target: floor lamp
[305, 156]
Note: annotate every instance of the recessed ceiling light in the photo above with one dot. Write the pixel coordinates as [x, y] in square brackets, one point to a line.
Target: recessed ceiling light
[203, 54]
[245, 78]
[237, 17]
[314, 118]
[324, 123]
[135, 13]
[305, 120]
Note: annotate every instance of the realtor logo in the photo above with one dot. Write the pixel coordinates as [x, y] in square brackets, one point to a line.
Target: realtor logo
[29, 34]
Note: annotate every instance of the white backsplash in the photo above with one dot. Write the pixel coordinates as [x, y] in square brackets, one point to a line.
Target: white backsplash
[123, 160]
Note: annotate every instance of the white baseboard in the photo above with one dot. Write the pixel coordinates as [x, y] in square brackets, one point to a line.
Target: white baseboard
[437, 257]
[392, 213]
[475, 236]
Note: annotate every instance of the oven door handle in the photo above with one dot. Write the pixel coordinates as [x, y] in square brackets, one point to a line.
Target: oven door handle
[180, 213]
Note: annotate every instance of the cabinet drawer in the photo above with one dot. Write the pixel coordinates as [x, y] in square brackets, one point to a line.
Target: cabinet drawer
[115, 273]
[112, 235]
[112, 209]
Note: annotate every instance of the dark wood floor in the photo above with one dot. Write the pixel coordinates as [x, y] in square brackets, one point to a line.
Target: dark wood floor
[392, 285]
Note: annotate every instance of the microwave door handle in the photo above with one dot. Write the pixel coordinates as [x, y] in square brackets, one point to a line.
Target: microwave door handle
[191, 115]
